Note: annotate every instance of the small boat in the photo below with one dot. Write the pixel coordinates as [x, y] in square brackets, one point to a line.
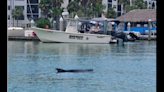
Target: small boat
[48, 35]
[70, 35]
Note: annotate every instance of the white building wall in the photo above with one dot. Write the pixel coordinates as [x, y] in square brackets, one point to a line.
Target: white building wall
[114, 4]
[105, 2]
[12, 6]
[65, 4]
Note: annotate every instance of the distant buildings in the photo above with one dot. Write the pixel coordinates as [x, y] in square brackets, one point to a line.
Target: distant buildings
[24, 4]
[36, 12]
[151, 4]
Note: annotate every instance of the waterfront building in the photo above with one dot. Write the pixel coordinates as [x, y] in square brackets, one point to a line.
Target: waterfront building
[25, 5]
[36, 12]
[151, 4]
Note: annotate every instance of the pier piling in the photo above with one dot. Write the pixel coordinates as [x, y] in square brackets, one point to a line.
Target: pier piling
[149, 24]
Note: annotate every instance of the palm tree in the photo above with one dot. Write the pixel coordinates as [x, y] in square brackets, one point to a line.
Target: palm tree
[16, 13]
[84, 6]
[73, 6]
[95, 1]
[111, 13]
[56, 3]
[45, 6]
[138, 4]
[56, 11]
[99, 9]
[126, 5]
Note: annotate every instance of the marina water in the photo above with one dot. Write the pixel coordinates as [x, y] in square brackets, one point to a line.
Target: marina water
[128, 68]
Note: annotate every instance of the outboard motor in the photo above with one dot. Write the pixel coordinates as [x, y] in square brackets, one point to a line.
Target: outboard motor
[122, 35]
[133, 36]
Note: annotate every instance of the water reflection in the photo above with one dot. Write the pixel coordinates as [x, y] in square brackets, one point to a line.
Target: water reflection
[73, 49]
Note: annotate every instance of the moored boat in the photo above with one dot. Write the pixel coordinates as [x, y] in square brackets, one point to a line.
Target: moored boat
[70, 35]
[48, 35]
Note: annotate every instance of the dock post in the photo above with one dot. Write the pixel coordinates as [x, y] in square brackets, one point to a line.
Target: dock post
[32, 23]
[61, 24]
[149, 24]
[76, 18]
[105, 26]
[129, 26]
[54, 25]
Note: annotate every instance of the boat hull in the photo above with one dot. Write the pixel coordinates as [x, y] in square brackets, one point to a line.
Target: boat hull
[47, 35]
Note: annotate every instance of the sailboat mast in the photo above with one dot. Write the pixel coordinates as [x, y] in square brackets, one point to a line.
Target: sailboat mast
[30, 9]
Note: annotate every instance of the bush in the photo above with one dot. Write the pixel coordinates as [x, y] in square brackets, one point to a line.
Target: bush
[42, 22]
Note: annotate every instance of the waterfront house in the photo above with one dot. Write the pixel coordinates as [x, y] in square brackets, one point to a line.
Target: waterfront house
[138, 19]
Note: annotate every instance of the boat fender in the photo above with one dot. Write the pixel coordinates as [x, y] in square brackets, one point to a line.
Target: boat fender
[46, 27]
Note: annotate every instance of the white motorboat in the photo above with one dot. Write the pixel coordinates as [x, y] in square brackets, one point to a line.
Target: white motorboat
[71, 35]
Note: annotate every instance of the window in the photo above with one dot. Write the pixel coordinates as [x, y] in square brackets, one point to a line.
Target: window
[109, 5]
[8, 7]
[20, 17]
[118, 14]
[109, 0]
[119, 8]
[22, 7]
[34, 9]
[35, 17]
[8, 17]
[33, 1]
[114, 6]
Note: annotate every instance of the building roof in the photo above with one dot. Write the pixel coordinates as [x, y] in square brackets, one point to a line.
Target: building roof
[138, 15]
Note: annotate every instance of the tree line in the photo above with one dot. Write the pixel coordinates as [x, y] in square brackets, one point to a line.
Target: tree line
[83, 8]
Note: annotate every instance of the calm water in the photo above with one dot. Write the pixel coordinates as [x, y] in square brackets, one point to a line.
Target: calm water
[128, 68]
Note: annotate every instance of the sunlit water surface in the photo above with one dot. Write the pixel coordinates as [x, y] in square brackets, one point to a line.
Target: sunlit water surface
[128, 68]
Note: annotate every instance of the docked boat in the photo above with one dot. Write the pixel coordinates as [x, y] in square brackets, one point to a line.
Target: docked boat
[70, 35]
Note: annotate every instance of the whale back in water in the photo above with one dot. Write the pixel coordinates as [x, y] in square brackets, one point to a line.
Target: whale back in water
[73, 70]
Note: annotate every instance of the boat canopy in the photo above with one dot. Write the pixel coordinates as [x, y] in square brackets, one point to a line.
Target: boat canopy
[103, 19]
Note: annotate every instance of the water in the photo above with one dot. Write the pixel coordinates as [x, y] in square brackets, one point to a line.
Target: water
[128, 68]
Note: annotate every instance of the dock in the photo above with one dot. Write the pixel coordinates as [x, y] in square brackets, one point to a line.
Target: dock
[145, 37]
[35, 38]
[20, 35]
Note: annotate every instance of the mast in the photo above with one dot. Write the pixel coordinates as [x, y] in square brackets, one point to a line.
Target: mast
[30, 9]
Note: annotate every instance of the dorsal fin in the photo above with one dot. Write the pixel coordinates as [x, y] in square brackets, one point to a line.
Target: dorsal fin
[60, 70]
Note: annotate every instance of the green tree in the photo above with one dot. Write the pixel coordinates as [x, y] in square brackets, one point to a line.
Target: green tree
[126, 5]
[138, 4]
[111, 13]
[56, 11]
[86, 7]
[94, 2]
[57, 3]
[73, 6]
[16, 13]
[42, 22]
[98, 9]
[45, 6]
